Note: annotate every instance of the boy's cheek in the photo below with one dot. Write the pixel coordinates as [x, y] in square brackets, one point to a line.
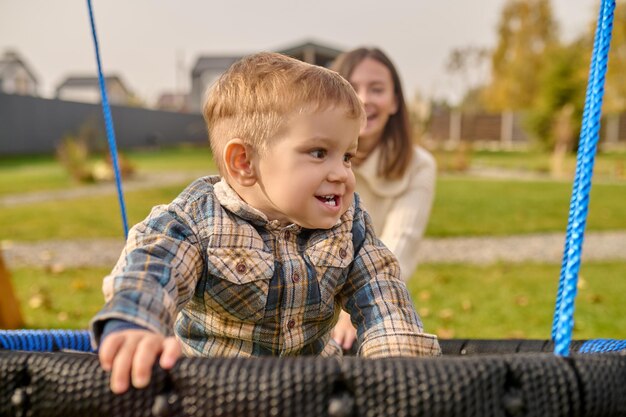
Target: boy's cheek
[348, 198]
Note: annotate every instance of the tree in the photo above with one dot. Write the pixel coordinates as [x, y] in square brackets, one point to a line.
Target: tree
[560, 93]
[563, 81]
[469, 66]
[526, 32]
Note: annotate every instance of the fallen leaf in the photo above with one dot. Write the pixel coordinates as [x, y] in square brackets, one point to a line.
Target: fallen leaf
[521, 300]
[446, 314]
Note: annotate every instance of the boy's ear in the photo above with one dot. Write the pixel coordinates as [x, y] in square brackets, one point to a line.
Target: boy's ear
[238, 162]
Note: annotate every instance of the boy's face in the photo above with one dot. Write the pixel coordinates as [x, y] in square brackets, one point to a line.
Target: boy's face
[305, 177]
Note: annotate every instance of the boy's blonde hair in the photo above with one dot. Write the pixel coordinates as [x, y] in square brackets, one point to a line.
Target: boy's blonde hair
[255, 97]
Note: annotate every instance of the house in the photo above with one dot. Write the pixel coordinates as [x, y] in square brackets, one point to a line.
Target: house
[313, 53]
[177, 102]
[86, 89]
[208, 68]
[16, 76]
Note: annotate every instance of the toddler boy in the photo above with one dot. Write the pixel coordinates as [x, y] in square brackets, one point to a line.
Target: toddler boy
[261, 259]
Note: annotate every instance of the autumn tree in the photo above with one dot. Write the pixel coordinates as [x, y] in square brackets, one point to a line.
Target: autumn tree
[556, 115]
[526, 31]
[468, 66]
[563, 80]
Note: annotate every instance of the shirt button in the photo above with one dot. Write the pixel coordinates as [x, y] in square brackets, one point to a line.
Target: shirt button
[343, 253]
[291, 324]
[241, 267]
[295, 277]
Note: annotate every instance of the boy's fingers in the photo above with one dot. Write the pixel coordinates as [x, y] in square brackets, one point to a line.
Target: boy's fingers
[120, 373]
[108, 350]
[171, 352]
[145, 356]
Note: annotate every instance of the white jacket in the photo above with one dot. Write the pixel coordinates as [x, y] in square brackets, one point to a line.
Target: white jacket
[399, 208]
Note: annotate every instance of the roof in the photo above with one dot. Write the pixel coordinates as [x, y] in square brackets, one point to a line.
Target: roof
[214, 62]
[223, 62]
[11, 58]
[310, 44]
[90, 81]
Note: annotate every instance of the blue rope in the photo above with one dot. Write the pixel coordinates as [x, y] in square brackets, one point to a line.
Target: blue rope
[108, 121]
[45, 340]
[602, 346]
[579, 167]
[564, 311]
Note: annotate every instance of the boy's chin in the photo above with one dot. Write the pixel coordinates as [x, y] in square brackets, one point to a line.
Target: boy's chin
[321, 224]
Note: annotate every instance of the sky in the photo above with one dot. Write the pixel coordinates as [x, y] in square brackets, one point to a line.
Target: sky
[153, 44]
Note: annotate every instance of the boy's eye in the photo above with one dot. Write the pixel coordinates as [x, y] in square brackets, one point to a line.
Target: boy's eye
[347, 157]
[318, 153]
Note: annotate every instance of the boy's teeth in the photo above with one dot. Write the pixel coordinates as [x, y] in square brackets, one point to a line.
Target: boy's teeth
[329, 199]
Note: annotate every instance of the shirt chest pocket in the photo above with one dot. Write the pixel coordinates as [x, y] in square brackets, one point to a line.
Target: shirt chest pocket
[238, 282]
[331, 259]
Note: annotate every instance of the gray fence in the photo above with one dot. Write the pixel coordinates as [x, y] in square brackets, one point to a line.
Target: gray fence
[506, 129]
[33, 125]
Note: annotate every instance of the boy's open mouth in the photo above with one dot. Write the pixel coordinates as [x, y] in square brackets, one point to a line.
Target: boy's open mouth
[329, 200]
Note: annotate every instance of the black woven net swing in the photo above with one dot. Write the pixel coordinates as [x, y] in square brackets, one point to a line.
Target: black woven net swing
[55, 373]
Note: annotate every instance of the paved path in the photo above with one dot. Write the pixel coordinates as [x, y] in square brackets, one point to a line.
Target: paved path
[138, 182]
[546, 248]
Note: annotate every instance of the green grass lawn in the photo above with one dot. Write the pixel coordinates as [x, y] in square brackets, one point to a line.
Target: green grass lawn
[495, 301]
[59, 300]
[608, 166]
[517, 301]
[92, 217]
[482, 207]
[183, 158]
[43, 173]
[463, 206]
[455, 301]
[27, 174]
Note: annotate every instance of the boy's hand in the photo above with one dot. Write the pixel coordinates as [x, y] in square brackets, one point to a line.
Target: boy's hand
[131, 353]
[344, 332]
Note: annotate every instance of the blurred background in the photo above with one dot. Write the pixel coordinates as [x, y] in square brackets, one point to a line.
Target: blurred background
[495, 88]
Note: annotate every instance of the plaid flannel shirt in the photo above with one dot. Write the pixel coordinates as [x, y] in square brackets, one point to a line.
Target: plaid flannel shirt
[213, 270]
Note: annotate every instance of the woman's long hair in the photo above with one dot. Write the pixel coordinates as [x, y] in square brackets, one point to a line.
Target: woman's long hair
[396, 147]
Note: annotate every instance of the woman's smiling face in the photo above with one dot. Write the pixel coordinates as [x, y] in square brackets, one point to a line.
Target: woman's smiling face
[374, 85]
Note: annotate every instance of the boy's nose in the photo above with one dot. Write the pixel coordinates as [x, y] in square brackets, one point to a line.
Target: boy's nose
[339, 173]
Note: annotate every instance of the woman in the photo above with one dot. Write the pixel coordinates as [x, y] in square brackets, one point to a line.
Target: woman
[395, 177]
